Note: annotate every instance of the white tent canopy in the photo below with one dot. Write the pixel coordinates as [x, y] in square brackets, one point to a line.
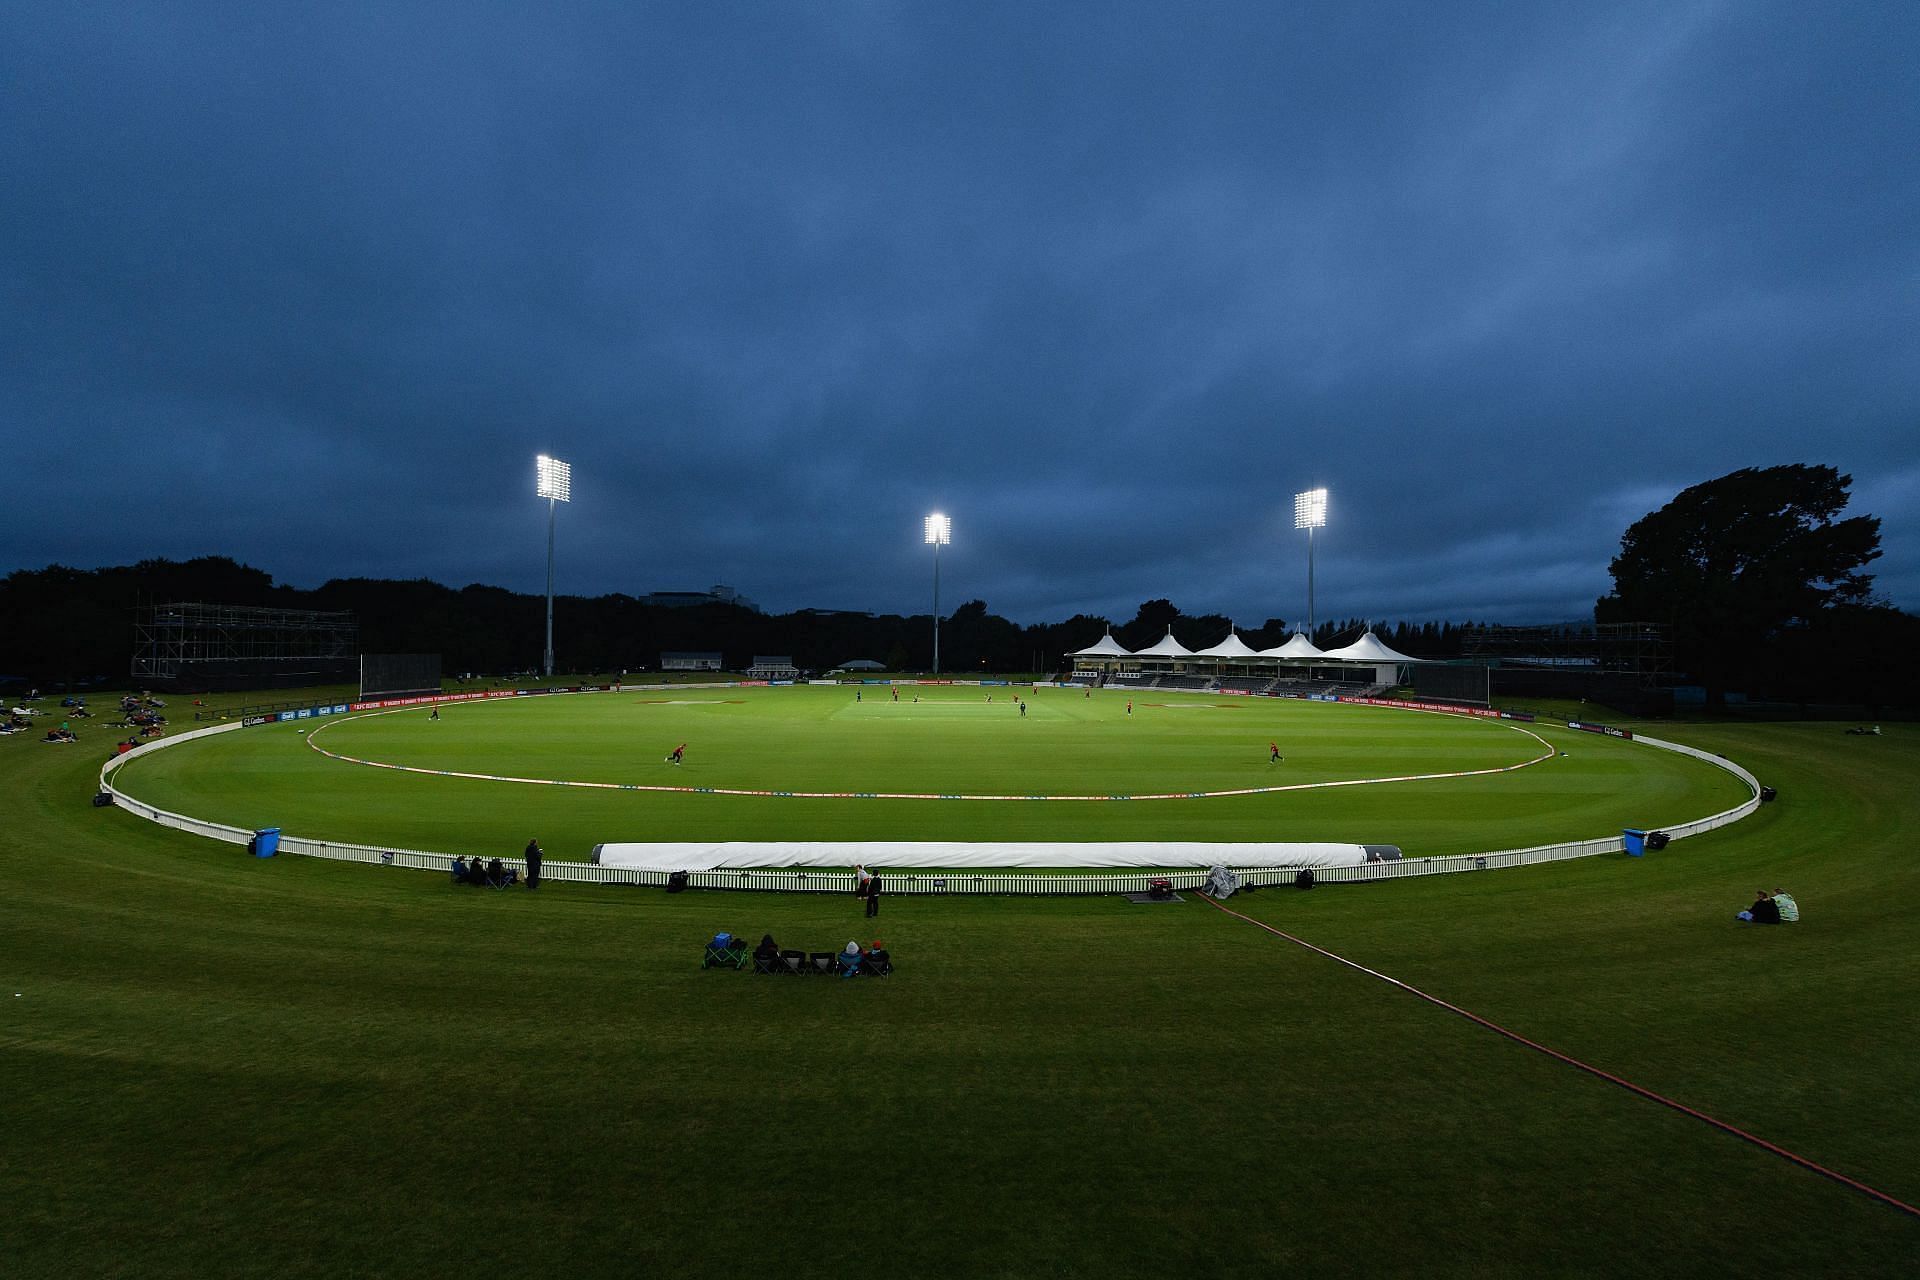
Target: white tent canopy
[1233, 648]
[1105, 647]
[1368, 648]
[1297, 647]
[1167, 648]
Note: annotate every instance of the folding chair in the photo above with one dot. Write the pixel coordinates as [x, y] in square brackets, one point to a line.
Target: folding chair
[792, 962]
[879, 964]
[822, 961]
[725, 951]
[849, 964]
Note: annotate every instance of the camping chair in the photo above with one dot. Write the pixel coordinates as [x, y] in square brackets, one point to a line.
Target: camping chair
[878, 963]
[822, 961]
[724, 951]
[769, 963]
[849, 964]
[791, 962]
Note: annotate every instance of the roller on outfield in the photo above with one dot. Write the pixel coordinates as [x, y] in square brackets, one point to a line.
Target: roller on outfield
[936, 855]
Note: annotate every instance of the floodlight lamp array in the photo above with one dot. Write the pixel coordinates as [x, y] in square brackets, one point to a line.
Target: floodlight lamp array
[1310, 509]
[553, 479]
[939, 530]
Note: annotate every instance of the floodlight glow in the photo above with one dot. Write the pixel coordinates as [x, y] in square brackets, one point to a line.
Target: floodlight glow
[1310, 509]
[552, 479]
[939, 530]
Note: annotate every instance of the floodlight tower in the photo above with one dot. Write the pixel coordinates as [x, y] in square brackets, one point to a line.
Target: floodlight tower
[1310, 513]
[552, 480]
[939, 534]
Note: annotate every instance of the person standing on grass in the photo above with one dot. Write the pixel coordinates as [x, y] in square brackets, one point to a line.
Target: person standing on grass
[1129, 706]
[533, 858]
[1273, 753]
[872, 894]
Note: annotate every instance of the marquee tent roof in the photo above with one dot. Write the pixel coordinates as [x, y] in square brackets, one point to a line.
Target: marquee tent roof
[1232, 647]
[1368, 648]
[1297, 647]
[1167, 648]
[1105, 647]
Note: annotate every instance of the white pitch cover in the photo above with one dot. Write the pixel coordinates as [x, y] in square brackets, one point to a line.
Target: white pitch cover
[937, 855]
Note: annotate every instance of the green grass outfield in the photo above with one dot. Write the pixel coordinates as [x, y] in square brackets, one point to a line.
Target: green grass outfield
[225, 1066]
[953, 741]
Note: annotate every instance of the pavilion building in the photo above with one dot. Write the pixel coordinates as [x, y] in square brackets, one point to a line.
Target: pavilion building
[1234, 664]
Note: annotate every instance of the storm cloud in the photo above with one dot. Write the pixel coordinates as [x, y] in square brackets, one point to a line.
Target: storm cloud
[1107, 283]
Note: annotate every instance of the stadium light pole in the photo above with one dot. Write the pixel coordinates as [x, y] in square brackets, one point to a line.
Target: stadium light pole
[939, 534]
[552, 480]
[1310, 513]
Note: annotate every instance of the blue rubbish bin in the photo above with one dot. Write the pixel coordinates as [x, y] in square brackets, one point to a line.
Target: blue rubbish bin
[1635, 841]
[266, 842]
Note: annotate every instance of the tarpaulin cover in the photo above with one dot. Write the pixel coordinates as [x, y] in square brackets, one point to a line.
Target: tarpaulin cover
[942, 854]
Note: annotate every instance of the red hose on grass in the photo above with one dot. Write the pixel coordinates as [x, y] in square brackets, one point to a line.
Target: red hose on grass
[1590, 1069]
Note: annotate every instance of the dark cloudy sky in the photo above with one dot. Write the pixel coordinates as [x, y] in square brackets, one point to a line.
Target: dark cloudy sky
[310, 285]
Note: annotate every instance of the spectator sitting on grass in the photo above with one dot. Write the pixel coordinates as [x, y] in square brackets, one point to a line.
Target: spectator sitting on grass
[1763, 911]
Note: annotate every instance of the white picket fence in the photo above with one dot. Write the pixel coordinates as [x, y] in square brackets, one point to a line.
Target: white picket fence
[932, 882]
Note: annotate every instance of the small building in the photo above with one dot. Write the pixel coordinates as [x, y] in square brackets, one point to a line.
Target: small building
[691, 662]
[861, 664]
[770, 668]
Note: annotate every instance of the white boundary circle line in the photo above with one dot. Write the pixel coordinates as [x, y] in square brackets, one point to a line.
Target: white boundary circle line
[1549, 752]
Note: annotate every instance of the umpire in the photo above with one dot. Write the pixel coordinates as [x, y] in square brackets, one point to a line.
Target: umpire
[871, 891]
[533, 857]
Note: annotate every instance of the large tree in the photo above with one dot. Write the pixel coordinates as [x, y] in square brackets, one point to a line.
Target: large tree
[1736, 562]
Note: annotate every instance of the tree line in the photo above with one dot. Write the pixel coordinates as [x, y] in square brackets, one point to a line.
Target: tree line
[1760, 574]
[69, 625]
